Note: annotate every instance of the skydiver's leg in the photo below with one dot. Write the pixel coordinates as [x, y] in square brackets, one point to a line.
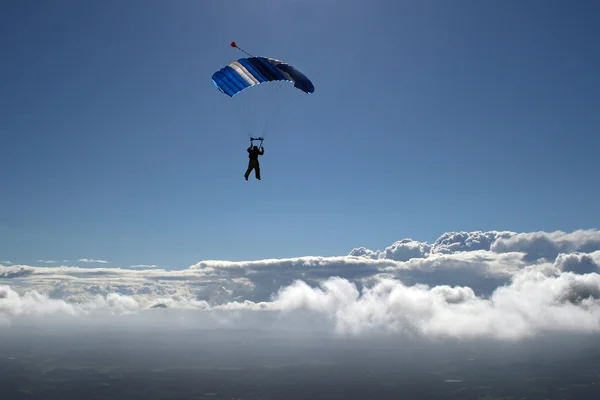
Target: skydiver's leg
[257, 170]
[249, 170]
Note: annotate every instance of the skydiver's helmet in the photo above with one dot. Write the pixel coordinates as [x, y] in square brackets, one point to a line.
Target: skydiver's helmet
[255, 148]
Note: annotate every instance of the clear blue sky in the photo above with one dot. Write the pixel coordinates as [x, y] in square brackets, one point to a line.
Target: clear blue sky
[428, 116]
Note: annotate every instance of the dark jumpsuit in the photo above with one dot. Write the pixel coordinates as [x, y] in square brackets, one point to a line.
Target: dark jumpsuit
[253, 153]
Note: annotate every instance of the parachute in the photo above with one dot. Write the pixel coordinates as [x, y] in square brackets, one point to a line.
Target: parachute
[247, 74]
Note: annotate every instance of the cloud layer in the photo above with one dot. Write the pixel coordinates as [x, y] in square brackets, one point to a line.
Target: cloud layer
[502, 285]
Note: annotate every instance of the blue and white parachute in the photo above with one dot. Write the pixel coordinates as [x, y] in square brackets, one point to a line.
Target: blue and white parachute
[247, 72]
[259, 108]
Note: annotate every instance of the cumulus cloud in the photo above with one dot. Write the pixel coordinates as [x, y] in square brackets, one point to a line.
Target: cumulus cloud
[534, 245]
[453, 242]
[16, 271]
[548, 245]
[479, 284]
[579, 263]
[533, 303]
[404, 250]
[31, 303]
[366, 253]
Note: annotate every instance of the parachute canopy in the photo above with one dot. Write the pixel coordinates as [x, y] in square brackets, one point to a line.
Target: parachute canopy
[247, 72]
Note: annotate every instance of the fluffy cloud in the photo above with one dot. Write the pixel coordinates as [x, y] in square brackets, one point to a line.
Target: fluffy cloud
[535, 245]
[31, 303]
[479, 284]
[453, 242]
[15, 271]
[579, 263]
[531, 304]
[402, 250]
[544, 245]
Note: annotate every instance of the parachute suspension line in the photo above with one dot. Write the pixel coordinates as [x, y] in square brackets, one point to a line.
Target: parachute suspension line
[251, 120]
[244, 120]
[275, 106]
[279, 104]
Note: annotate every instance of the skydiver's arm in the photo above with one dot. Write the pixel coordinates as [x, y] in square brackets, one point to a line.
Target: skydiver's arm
[262, 151]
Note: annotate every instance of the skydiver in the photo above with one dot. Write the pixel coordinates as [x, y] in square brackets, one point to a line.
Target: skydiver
[253, 164]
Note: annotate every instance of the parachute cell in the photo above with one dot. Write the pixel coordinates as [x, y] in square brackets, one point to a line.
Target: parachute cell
[247, 72]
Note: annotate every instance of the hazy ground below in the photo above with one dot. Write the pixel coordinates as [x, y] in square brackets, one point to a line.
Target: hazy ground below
[128, 362]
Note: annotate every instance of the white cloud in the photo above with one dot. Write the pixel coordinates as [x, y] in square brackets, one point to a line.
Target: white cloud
[31, 303]
[366, 253]
[453, 242]
[500, 285]
[89, 260]
[532, 304]
[16, 271]
[548, 245]
[404, 250]
[579, 263]
[535, 245]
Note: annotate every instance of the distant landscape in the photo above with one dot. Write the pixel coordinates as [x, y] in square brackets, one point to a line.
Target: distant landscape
[87, 363]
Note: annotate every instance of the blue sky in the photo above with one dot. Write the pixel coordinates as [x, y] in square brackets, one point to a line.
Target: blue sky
[428, 116]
